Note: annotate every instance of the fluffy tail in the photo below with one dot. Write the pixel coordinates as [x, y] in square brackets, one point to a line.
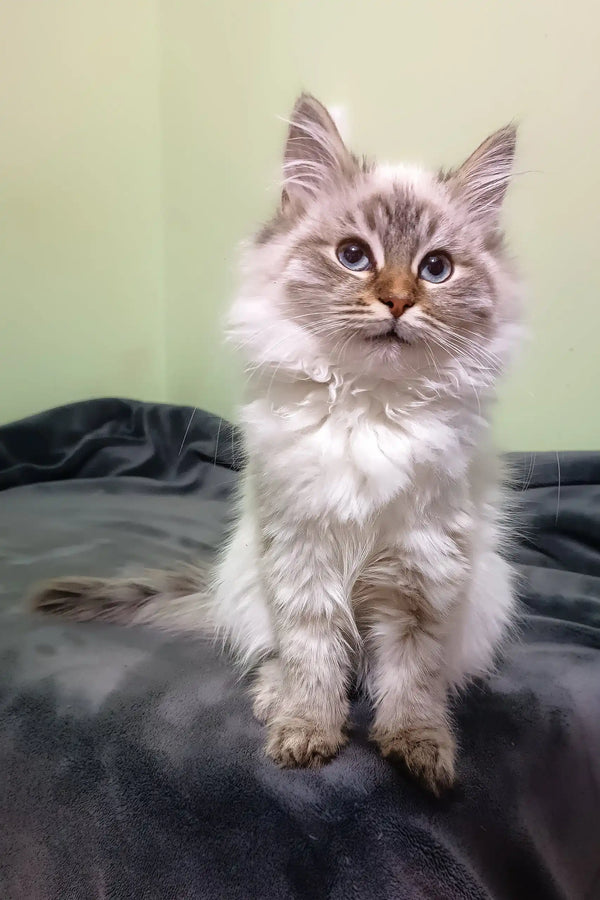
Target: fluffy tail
[176, 601]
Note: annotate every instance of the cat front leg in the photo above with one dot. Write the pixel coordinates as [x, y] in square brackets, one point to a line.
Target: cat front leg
[307, 711]
[405, 640]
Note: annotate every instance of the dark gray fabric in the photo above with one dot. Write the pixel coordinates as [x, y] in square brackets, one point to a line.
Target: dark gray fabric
[131, 767]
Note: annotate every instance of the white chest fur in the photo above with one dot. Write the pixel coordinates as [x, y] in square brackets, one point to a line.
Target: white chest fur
[349, 453]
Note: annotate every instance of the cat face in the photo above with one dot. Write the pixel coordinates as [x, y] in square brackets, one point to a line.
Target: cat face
[376, 268]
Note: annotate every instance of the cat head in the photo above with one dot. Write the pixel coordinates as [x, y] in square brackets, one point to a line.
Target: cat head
[383, 270]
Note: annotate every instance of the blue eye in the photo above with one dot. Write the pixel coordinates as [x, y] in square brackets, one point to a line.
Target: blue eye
[355, 255]
[436, 267]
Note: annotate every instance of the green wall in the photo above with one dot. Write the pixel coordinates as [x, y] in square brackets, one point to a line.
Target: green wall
[143, 143]
[81, 265]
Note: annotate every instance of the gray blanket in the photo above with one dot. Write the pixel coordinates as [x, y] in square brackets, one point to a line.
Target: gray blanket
[131, 767]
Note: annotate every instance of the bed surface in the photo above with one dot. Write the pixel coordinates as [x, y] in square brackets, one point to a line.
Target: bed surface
[130, 764]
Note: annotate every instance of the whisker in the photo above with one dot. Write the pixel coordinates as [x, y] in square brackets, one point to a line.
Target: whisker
[217, 442]
[558, 488]
[185, 434]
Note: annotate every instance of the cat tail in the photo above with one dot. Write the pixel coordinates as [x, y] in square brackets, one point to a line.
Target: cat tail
[175, 601]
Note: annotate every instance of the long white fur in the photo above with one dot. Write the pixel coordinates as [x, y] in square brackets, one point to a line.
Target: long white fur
[363, 471]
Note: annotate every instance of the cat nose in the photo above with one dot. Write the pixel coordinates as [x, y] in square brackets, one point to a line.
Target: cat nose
[397, 305]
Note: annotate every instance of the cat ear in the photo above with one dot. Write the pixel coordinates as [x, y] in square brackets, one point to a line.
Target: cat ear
[315, 154]
[483, 178]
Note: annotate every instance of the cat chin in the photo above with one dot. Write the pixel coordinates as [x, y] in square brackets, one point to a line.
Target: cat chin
[391, 360]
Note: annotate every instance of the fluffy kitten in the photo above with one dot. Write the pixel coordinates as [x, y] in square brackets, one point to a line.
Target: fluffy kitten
[377, 311]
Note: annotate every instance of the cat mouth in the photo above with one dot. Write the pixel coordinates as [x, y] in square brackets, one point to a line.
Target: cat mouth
[388, 337]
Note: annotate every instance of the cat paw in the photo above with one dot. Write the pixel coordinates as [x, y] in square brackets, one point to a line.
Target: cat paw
[300, 743]
[427, 751]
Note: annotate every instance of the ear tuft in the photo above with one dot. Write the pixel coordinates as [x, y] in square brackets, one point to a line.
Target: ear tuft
[483, 178]
[315, 154]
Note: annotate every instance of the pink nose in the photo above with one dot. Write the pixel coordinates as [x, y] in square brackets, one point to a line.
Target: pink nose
[397, 305]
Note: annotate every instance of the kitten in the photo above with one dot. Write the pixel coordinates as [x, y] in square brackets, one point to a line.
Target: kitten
[377, 311]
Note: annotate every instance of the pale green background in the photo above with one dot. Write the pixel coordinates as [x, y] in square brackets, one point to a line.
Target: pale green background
[139, 142]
